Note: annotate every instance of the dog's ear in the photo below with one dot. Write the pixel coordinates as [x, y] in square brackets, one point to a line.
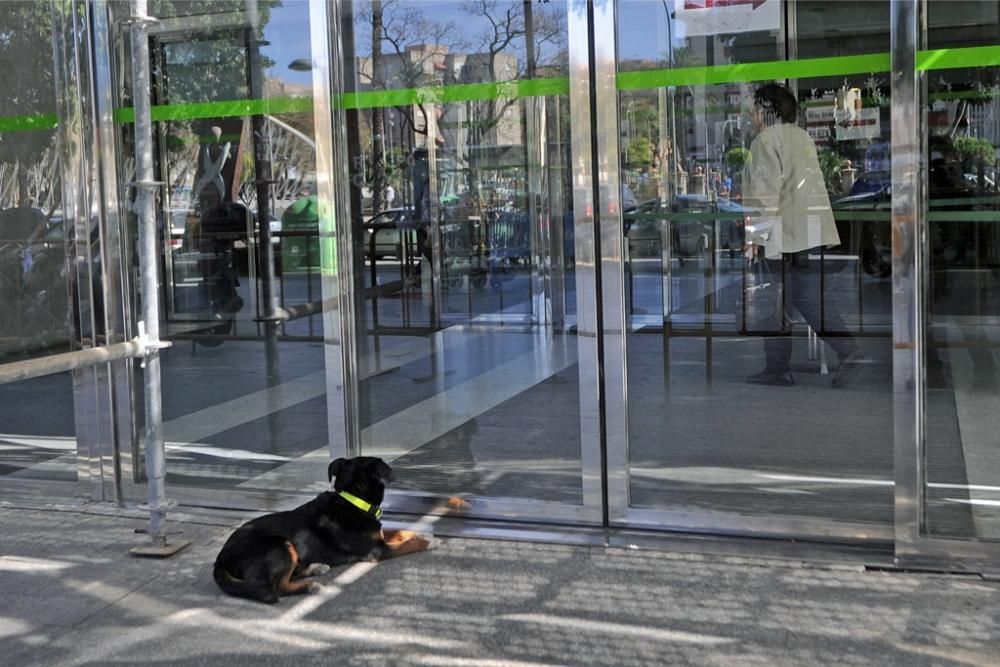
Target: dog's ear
[384, 473]
[334, 469]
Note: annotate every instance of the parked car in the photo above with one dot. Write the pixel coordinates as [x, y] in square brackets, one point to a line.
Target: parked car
[872, 181]
[689, 237]
[867, 235]
[870, 236]
[34, 281]
[386, 227]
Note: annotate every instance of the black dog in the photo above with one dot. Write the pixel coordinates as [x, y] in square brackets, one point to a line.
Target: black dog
[270, 555]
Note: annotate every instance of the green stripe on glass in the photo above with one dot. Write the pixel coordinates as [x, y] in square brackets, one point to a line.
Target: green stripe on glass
[225, 109]
[963, 216]
[936, 59]
[863, 216]
[363, 100]
[973, 56]
[964, 201]
[464, 92]
[28, 123]
[764, 71]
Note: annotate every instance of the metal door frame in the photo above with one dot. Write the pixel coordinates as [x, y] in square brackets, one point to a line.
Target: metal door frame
[910, 280]
[108, 447]
[907, 531]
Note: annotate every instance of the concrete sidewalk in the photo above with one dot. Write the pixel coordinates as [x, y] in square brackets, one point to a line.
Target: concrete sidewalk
[71, 595]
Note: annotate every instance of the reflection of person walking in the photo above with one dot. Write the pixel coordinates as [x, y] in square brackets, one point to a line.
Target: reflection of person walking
[390, 196]
[785, 184]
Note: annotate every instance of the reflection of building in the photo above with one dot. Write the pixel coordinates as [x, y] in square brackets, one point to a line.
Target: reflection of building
[462, 127]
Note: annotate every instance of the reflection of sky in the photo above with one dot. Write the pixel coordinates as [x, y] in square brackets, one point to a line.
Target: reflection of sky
[288, 34]
[288, 31]
[642, 29]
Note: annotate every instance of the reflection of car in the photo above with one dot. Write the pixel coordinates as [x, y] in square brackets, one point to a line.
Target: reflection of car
[973, 180]
[862, 230]
[689, 236]
[869, 235]
[873, 181]
[386, 227]
[34, 295]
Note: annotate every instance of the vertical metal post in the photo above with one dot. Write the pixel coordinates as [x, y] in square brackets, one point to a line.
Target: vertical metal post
[534, 172]
[342, 285]
[597, 240]
[262, 165]
[907, 274]
[149, 328]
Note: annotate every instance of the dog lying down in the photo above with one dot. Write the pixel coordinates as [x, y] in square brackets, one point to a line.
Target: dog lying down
[274, 555]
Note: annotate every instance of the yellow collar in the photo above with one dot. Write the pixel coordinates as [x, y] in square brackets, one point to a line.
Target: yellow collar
[361, 505]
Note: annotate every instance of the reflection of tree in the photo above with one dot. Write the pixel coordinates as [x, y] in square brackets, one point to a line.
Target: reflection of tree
[679, 58]
[415, 51]
[378, 118]
[28, 165]
[831, 164]
[517, 41]
[974, 149]
[507, 31]
[418, 47]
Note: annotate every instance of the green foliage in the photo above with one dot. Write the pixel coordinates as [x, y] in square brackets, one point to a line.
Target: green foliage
[26, 76]
[974, 149]
[831, 163]
[736, 158]
[640, 152]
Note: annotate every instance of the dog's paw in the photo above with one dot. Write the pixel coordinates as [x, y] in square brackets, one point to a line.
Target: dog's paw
[315, 587]
[316, 569]
[394, 538]
[432, 542]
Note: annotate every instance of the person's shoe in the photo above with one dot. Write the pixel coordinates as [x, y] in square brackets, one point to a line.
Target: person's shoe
[848, 368]
[775, 379]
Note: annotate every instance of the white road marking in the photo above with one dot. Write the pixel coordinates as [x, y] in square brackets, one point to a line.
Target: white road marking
[646, 632]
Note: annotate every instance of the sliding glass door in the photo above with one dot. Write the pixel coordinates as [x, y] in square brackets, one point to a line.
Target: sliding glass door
[470, 263]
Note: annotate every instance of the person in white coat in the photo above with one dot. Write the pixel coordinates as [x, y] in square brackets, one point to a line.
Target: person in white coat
[784, 184]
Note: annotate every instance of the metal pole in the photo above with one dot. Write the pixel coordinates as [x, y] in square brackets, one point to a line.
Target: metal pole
[157, 504]
[61, 363]
[263, 180]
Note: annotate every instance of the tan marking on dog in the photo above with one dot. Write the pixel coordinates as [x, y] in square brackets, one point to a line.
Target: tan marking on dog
[285, 585]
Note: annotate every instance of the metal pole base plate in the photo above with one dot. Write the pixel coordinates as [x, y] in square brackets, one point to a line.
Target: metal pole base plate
[159, 550]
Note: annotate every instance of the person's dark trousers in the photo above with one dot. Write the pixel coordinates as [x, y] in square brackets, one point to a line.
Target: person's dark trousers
[801, 278]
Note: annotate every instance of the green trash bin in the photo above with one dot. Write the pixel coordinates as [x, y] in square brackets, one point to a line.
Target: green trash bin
[300, 252]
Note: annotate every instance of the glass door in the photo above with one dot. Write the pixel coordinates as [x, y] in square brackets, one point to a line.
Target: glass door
[953, 480]
[754, 160]
[466, 256]
[244, 382]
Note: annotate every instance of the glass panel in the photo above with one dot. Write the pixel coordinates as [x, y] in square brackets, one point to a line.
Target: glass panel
[34, 290]
[32, 447]
[756, 215]
[244, 384]
[35, 286]
[464, 247]
[962, 298]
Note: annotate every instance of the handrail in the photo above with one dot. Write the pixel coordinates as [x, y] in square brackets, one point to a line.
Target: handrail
[67, 361]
